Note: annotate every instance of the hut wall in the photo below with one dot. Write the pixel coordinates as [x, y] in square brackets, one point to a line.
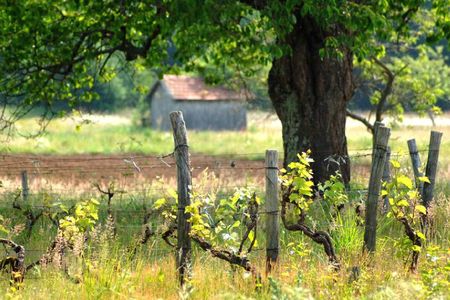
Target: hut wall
[213, 115]
[198, 114]
[161, 106]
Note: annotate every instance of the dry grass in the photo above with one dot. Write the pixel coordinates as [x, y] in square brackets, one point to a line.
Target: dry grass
[383, 277]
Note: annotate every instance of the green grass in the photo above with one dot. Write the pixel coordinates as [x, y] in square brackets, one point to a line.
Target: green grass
[119, 135]
[63, 136]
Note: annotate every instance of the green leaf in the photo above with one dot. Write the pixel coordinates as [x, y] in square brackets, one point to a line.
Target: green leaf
[413, 194]
[406, 181]
[251, 236]
[421, 209]
[395, 164]
[173, 193]
[94, 201]
[403, 203]
[236, 224]
[421, 235]
[3, 229]
[416, 248]
[391, 201]
[94, 215]
[424, 179]
[159, 203]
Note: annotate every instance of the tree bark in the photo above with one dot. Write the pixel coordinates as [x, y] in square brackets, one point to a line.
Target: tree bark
[310, 95]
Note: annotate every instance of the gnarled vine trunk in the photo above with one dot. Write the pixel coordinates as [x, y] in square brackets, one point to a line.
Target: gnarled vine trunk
[310, 95]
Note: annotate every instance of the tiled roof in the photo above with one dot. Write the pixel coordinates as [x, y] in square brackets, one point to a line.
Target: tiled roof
[194, 88]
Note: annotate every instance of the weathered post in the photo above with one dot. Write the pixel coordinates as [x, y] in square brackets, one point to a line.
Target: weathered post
[416, 164]
[378, 163]
[272, 210]
[184, 184]
[387, 177]
[25, 189]
[376, 125]
[431, 169]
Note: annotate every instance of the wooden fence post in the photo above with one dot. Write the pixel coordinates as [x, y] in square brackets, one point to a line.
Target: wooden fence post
[416, 164]
[25, 189]
[378, 163]
[184, 185]
[376, 125]
[387, 177]
[272, 210]
[431, 169]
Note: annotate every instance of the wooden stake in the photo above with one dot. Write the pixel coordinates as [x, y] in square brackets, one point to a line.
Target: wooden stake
[25, 189]
[378, 163]
[431, 169]
[272, 210]
[376, 125]
[387, 177]
[184, 184]
[416, 164]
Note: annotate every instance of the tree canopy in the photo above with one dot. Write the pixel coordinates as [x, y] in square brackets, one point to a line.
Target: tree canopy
[55, 51]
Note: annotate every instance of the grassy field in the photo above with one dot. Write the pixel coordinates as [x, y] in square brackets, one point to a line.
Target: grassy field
[117, 134]
[102, 266]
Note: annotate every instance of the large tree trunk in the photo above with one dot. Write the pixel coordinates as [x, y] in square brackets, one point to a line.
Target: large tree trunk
[310, 96]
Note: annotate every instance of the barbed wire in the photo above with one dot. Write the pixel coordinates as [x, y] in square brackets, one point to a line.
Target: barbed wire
[126, 161]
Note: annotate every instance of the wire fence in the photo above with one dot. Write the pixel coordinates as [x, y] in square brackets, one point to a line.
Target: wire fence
[134, 175]
[146, 165]
[234, 165]
[56, 165]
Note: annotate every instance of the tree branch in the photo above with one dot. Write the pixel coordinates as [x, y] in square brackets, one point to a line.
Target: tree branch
[390, 77]
[168, 233]
[241, 261]
[31, 216]
[360, 119]
[415, 239]
[251, 224]
[16, 263]
[320, 237]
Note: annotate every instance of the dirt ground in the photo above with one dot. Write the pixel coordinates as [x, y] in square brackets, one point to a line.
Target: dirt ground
[74, 170]
[69, 174]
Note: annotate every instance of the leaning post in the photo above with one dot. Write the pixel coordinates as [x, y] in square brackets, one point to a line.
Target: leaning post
[272, 210]
[378, 164]
[387, 177]
[376, 125]
[416, 164]
[431, 169]
[25, 189]
[184, 185]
